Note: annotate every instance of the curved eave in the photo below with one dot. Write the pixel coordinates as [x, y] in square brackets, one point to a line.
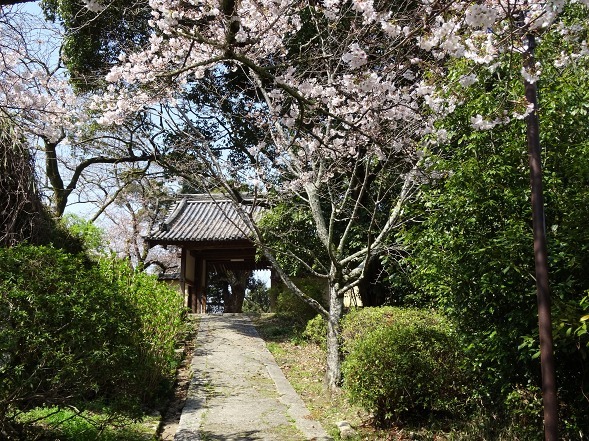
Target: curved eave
[201, 245]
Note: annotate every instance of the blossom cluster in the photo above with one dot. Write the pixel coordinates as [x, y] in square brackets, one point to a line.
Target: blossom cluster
[188, 41]
[355, 89]
[33, 92]
[94, 6]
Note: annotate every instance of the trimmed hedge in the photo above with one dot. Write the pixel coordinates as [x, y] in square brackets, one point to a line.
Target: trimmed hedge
[161, 314]
[402, 363]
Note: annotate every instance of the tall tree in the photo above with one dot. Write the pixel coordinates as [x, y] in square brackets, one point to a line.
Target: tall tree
[96, 34]
[337, 126]
[472, 251]
[37, 98]
[341, 86]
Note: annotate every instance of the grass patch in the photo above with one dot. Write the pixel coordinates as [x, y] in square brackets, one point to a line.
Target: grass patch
[277, 349]
[50, 423]
[289, 432]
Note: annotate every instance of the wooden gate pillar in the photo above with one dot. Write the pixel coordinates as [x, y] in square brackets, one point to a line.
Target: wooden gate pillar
[200, 303]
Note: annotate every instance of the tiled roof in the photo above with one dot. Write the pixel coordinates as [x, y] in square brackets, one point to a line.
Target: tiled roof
[202, 218]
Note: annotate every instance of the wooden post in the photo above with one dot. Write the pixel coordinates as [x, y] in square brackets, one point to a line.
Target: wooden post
[183, 278]
[200, 277]
[190, 299]
[203, 287]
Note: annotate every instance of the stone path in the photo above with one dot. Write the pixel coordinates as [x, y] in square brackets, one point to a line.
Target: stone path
[238, 392]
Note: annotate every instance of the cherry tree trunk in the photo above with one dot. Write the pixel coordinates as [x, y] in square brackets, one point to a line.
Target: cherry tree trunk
[336, 307]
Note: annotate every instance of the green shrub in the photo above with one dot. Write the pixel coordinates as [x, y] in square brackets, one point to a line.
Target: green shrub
[73, 331]
[86, 233]
[316, 331]
[360, 322]
[523, 406]
[402, 363]
[161, 315]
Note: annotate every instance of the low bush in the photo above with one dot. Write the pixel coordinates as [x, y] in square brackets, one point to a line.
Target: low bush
[360, 322]
[73, 331]
[316, 331]
[523, 412]
[403, 364]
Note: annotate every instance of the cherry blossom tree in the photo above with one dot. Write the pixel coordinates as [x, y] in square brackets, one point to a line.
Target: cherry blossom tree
[346, 93]
[38, 100]
[340, 120]
[142, 202]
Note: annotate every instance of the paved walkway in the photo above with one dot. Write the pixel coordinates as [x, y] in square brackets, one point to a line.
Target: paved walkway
[238, 392]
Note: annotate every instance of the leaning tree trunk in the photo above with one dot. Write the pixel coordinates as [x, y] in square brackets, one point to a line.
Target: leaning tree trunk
[336, 307]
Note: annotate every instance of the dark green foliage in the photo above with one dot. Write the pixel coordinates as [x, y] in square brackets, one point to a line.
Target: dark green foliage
[65, 331]
[257, 299]
[225, 92]
[473, 252]
[290, 304]
[94, 40]
[17, 189]
[73, 331]
[290, 230]
[403, 364]
[236, 291]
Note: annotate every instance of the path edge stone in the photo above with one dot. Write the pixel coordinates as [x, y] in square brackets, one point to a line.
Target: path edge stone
[196, 400]
[297, 410]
